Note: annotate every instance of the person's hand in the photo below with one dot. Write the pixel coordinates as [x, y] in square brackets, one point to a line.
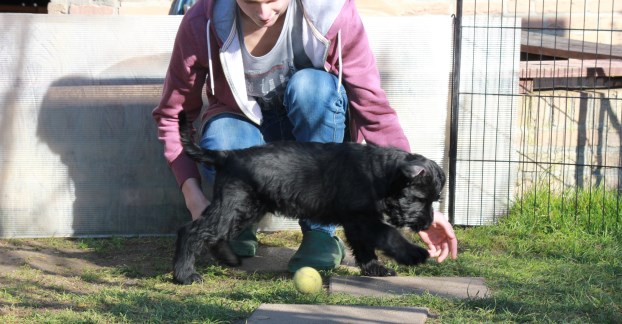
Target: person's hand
[194, 197]
[440, 238]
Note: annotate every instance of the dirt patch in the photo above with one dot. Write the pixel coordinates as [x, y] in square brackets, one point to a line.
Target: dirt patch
[137, 257]
[132, 257]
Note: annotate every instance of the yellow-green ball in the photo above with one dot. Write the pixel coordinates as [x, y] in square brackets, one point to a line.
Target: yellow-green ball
[307, 280]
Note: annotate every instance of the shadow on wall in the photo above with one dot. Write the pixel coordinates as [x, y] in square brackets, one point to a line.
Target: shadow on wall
[594, 140]
[573, 138]
[104, 133]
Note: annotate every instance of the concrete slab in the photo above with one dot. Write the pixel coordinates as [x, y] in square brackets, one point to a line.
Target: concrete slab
[454, 287]
[268, 259]
[306, 314]
[274, 259]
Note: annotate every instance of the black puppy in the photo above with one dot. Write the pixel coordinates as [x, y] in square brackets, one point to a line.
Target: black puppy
[364, 188]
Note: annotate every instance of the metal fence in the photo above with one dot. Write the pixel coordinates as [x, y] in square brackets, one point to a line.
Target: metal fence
[535, 115]
[536, 111]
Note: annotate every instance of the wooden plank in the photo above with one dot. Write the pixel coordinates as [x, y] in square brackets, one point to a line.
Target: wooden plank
[550, 45]
[571, 69]
[571, 74]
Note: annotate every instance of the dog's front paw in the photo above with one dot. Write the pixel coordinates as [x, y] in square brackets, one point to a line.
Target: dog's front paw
[188, 280]
[375, 269]
[412, 256]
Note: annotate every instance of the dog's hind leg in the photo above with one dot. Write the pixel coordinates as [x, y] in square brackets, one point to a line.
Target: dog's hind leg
[223, 253]
[190, 241]
[186, 247]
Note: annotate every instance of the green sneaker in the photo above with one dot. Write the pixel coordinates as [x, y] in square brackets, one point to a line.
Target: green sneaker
[245, 245]
[318, 250]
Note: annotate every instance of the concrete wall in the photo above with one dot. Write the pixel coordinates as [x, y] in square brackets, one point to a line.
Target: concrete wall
[109, 7]
[574, 135]
[574, 19]
[79, 155]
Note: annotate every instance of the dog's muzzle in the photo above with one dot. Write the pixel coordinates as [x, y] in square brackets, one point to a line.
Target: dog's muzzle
[423, 224]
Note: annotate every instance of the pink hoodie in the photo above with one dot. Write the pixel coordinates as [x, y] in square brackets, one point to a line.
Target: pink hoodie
[334, 40]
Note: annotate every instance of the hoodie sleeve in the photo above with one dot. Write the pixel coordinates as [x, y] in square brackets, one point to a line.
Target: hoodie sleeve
[373, 119]
[182, 90]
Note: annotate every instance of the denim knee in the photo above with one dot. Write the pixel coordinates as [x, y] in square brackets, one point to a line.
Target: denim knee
[228, 132]
[313, 85]
[316, 105]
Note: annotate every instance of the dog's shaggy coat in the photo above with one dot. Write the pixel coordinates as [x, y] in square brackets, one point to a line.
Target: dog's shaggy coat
[369, 190]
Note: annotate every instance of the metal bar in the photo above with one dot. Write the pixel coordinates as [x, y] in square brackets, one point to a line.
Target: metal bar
[455, 102]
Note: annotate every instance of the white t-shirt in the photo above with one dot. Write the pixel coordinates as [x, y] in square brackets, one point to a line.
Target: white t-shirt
[267, 75]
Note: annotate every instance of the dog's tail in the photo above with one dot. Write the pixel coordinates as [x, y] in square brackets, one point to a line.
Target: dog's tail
[196, 152]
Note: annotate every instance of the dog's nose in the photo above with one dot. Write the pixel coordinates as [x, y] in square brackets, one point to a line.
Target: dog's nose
[422, 226]
[426, 226]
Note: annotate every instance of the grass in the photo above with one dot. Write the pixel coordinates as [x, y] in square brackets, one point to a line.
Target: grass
[593, 210]
[554, 266]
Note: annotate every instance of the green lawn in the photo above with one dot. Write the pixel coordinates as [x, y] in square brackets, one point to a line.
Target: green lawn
[540, 268]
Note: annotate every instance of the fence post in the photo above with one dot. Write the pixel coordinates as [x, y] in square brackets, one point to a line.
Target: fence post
[455, 105]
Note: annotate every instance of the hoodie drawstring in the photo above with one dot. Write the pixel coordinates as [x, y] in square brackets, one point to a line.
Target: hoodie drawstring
[339, 58]
[209, 58]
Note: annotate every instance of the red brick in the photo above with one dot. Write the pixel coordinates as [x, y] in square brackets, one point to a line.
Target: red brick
[591, 21]
[152, 9]
[536, 22]
[57, 8]
[405, 7]
[91, 10]
[519, 7]
[606, 37]
[492, 7]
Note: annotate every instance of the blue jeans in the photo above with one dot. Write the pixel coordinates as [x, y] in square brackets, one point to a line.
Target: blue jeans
[314, 110]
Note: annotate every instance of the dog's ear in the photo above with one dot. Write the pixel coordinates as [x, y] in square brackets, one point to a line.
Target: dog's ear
[412, 171]
[407, 172]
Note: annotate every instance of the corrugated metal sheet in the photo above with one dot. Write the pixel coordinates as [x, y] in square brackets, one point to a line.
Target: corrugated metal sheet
[78, 148]
[80, 155]
[489, 97]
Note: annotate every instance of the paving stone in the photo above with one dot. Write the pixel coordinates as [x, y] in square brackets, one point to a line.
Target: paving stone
[275, 259]
[456, 287]
[268, 259]
[305, 314]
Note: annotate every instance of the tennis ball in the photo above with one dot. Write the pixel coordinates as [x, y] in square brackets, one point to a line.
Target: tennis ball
[307, 280]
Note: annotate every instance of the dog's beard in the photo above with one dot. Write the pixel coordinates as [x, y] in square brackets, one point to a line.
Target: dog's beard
[411, 204]
[423, 221]
[416, 216]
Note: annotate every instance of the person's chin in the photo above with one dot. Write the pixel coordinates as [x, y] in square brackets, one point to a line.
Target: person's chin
[266, 23]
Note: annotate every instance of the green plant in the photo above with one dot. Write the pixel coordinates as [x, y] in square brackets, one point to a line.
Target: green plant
[594, 210]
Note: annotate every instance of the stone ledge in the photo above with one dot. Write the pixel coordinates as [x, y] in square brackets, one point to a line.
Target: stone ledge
[453, 287]
[305, 314]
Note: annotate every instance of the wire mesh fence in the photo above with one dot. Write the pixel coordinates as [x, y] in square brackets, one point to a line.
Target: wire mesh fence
[536, 112]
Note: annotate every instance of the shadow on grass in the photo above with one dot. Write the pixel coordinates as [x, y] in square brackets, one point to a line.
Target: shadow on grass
[131, 257]
[35, 293]
[135, 307]
[91, 297]
[529, 278]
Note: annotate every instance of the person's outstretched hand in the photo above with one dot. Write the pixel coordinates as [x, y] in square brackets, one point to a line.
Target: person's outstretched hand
[440, 238]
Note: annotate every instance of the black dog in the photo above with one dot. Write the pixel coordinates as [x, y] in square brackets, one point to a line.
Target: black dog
[364, 188]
